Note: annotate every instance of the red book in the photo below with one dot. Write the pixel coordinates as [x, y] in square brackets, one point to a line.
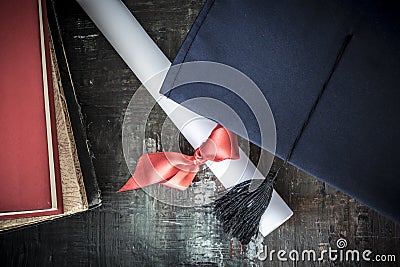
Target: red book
[29, 166]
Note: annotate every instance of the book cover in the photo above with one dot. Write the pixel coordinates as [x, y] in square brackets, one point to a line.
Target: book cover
[29, 165]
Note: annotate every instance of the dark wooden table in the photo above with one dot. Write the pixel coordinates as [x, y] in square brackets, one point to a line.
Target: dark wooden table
[134, 229]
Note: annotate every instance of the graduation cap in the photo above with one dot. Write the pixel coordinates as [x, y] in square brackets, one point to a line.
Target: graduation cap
[330, 71]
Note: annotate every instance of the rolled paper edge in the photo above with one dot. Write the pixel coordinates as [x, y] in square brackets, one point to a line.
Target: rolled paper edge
[278, 212]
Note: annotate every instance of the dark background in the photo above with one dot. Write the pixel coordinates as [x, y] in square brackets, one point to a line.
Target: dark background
[132, 229]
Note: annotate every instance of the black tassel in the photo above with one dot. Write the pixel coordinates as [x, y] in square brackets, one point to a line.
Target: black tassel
[240, 210]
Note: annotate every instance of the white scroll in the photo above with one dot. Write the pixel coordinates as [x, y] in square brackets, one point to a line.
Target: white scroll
[146, 60]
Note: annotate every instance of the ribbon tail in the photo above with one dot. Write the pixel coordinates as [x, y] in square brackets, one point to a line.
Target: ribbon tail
[167, 168]
[146, 172]
[129, 185]
[181, 180]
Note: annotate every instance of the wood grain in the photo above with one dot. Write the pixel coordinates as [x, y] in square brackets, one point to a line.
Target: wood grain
[134, 229]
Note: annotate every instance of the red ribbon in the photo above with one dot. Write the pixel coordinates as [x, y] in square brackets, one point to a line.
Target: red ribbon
[177, 170]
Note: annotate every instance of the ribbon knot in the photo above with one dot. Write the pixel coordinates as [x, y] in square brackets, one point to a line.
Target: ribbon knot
[177, 170]
[198, 158]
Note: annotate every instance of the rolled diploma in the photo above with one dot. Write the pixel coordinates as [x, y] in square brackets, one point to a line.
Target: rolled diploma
[150, 66]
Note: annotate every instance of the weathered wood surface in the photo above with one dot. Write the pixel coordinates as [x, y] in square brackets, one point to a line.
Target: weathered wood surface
[133, 229]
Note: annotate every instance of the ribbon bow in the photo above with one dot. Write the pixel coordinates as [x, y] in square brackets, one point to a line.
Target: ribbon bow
[177, 170]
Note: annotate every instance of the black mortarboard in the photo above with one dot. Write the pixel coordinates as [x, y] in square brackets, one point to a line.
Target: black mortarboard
[341, 57]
